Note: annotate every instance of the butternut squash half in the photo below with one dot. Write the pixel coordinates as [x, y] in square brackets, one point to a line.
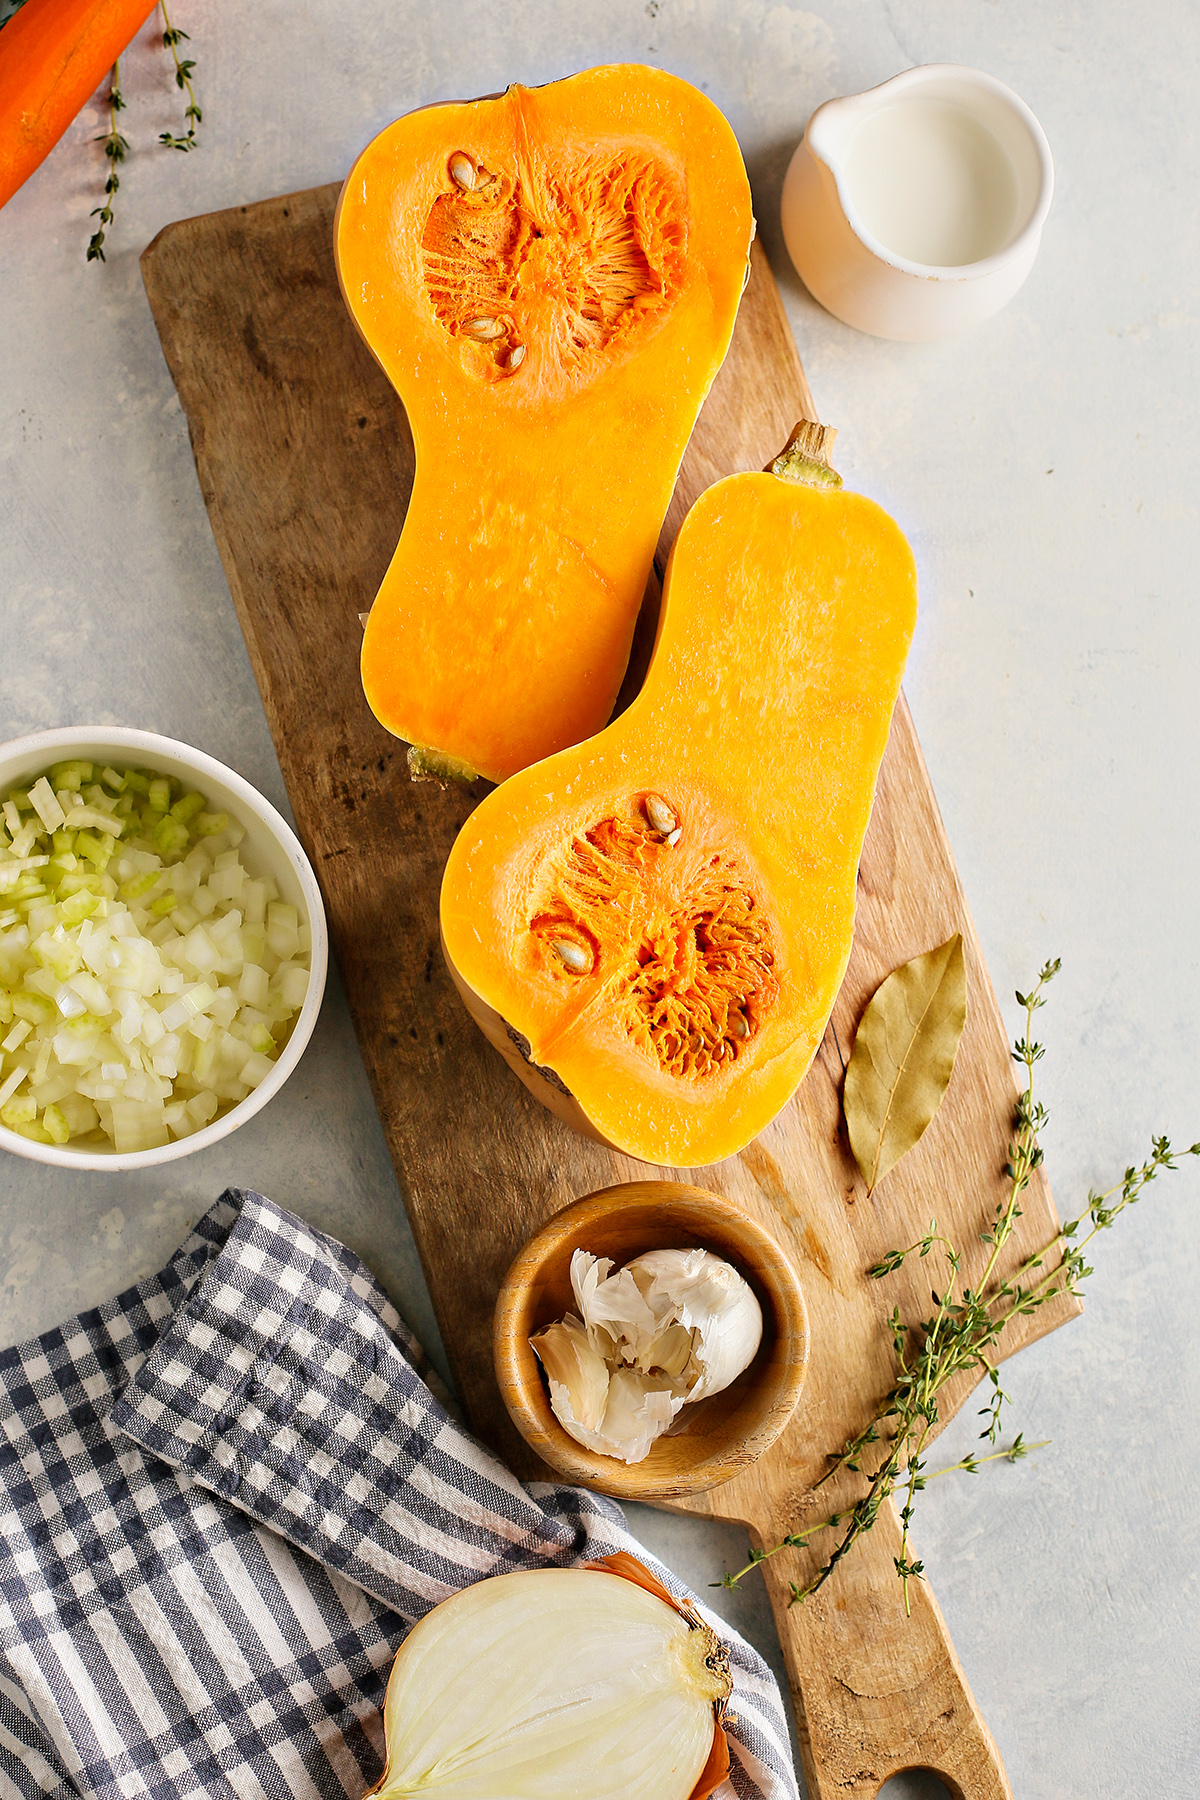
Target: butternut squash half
[653, 926]
[550, 281]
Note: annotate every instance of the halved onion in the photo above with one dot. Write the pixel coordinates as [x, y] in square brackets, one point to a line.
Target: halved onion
[592, 1682]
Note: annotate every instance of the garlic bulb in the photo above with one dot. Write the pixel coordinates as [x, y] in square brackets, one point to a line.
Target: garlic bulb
[549, 1682]
[672, 1326]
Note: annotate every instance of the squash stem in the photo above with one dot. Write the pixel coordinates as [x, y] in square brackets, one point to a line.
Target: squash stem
[804, 459]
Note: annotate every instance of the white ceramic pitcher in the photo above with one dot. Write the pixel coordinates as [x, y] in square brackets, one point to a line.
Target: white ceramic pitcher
[915, 210]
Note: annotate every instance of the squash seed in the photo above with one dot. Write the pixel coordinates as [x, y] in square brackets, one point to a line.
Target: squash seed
[572, 954]
[462, 170]
[673, 837]
[484, 329]
[659, 814]
[739, 1024]
[515, 357]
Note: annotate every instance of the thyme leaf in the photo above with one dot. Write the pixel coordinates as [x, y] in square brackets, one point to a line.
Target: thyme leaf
[172, 37]
[116, 148]
[962, 1334]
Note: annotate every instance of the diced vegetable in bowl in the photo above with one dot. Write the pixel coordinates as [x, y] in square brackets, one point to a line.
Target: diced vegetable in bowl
[152, 970]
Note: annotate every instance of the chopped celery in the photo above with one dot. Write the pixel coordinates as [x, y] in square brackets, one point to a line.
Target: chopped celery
[164, 904]
[186, 808]
[208, 824]
[79, 906]
[20, 1111]
[170, 836]
[71, 775]
[159, 793]
[91, 818]
[139, 885]
[98, 850]
[35, 1132]
[80, 881]
[55, 1123]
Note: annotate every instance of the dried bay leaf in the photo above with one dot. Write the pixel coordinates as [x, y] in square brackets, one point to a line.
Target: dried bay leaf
[903, 1057]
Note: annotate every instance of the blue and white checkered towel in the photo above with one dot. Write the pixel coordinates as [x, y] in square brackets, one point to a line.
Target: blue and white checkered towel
[224, 1498]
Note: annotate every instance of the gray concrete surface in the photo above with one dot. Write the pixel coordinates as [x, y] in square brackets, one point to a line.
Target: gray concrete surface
[1044, 468]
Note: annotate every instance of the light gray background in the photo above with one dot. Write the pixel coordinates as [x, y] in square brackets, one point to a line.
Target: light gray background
[1044, 468]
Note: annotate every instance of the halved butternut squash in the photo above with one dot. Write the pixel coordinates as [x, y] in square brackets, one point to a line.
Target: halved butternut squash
[653, 926]
[550, 280]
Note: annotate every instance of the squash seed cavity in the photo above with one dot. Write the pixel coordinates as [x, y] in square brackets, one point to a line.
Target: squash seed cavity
[561, 262]
[674, 934]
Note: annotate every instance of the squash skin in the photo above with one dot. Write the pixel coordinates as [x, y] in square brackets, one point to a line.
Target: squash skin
[772, 591]
[503, 626]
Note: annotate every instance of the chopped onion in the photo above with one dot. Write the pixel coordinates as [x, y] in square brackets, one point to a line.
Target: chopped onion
[548, 1682]
[148, 977]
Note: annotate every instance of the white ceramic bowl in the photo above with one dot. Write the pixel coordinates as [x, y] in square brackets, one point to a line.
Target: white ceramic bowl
[270, 848]
[841, 205]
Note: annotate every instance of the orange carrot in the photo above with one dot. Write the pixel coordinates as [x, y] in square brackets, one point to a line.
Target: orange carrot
[53, 56]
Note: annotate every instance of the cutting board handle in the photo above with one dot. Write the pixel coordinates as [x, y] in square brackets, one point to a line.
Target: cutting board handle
[876, 1692]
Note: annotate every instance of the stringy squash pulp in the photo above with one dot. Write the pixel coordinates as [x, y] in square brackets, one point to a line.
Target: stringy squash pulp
[550, 281]
[653, 927]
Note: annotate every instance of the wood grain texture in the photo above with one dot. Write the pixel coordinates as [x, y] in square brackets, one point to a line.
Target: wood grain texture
[305, 462]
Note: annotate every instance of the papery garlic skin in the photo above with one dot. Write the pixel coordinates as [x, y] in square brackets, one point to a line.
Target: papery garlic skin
[578, 1374]
[705, 1294]
[616, 1413]
[548, 1683]
[671, 1327]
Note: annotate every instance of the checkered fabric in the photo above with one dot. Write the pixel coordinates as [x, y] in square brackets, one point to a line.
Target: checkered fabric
[224, 1497]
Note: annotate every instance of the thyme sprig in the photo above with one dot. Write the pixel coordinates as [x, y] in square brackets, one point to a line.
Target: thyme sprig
[184, 66]
[116, 147]
[962, 1334]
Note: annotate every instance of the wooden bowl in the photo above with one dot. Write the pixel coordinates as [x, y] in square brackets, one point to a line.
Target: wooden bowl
[715, 1438]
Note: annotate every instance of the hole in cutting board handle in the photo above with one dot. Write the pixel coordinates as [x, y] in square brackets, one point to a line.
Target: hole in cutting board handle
[916, 1784]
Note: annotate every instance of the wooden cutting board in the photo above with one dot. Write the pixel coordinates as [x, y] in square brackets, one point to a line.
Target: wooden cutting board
[306, 463]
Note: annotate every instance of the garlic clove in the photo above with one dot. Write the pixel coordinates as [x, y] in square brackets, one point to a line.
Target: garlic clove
[577, 1374]
[672, 1326]
[639, 1409]
[671, 1354]
[705, 1294]
[612, 1303]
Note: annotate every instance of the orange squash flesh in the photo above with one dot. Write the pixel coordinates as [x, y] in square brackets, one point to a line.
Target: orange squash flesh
[667, 997]
[552, 327]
